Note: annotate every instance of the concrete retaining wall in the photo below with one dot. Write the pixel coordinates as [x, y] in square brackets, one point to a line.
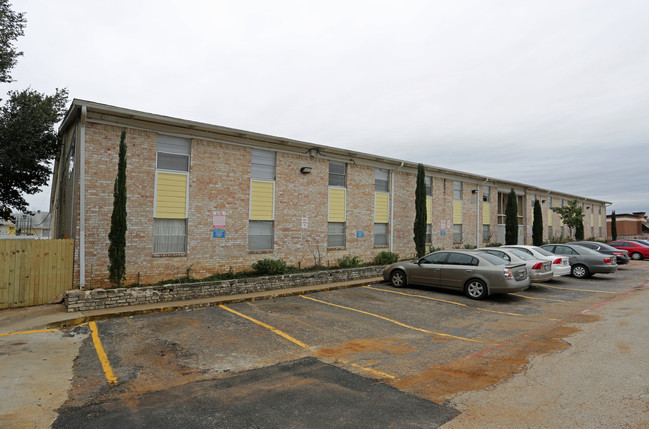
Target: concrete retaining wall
[78, 300]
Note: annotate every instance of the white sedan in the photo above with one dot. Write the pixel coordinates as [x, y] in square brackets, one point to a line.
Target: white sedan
[560, 263]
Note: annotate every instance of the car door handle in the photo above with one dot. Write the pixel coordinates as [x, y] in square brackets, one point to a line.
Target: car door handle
[437, 269]
[468, 271]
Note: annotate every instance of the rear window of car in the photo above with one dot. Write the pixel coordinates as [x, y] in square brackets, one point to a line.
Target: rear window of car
[524, 256]
[590, 251]
[493, 260]
[461, 259]
[543, 251]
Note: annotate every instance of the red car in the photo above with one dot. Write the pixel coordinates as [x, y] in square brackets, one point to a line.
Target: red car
[636, 250]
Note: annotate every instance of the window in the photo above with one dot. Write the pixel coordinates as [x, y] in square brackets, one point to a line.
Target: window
[600, 231]
[549, 232]
[429, 234]
[381, 180]
[336, 234]
[169, 236]
[486, 233]
[457, 233]
[260, 235]
[457, 190]
[337, 174]
[549, 201]
[562, 230]
[429, 185]
[461, 259]
[563, 250]
[172, 179]
[435, 258]
[592, 231]
[502, 207]
[380, 234]
[262, 164]
[486, 194]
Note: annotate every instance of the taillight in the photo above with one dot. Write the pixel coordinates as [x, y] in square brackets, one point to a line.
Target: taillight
[607, 260]
[508, 274]
[537, 266]
[618, 254]
[557, 261]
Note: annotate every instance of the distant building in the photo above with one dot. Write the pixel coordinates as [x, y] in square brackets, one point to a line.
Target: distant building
[629, 225]
[37, 225]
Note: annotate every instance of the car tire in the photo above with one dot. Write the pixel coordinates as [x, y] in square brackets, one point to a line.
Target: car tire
[636, 256]
[398, 278]
[476, 289]
[579, 271]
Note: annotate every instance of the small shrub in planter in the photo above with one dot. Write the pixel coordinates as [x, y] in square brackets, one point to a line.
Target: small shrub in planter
[494, 244]
[432, 249]
[269, 267]
[469, 246]
[349, 262]
[386, 258]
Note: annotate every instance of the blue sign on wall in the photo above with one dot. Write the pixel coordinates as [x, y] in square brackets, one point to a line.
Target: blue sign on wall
[218, 233]
[443, 233]
[360, 234]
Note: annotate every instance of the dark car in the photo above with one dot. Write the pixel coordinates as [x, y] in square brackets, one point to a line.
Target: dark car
[622, 256]
[584, 262]
[475, 273]
[637, 240]
[636, 250]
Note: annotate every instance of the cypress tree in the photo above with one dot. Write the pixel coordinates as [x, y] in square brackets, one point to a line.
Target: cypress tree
[511, 219]
[117, 235]
[579, 231]
[537, 225]
[613, 226]
[420, 212]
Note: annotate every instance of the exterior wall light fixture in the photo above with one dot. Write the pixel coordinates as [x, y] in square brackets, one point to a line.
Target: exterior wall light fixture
[305, 170]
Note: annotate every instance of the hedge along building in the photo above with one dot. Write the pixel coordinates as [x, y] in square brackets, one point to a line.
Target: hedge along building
[208, 199]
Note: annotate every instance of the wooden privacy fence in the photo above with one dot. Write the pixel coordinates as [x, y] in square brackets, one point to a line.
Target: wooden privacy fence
[32, 272]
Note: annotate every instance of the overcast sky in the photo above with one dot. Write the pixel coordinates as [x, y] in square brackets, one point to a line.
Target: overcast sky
[549, 93]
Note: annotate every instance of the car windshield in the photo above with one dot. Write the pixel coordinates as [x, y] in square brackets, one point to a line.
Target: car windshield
[543, 251]
[493, 259]
[524, 256]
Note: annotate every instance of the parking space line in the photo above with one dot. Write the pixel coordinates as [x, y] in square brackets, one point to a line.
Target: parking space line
[28, 332]
[443, 300]
[301, 344]
[101, 354]
[393, 321]
[578, 290]
[542, 299]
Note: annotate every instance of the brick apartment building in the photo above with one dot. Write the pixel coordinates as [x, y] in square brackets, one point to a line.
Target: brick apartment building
[211, 199]
[629, 225]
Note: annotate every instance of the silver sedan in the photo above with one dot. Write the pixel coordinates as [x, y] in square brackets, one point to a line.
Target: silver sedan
[538, 270]
[475, 273]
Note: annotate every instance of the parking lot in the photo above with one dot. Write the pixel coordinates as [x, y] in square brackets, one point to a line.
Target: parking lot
[371, 356]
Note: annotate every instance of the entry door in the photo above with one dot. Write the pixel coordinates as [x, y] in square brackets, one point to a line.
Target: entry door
[521, 234]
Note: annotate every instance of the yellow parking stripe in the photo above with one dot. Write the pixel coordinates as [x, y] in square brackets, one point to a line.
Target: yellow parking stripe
[542, 299]
[578, 290]
[29, 332]
[101, 354]
[443, 300]
[393, 321]
[301, 344]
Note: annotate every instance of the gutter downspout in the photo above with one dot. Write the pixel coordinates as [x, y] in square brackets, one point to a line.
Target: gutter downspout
[82, 199]
[392, 208]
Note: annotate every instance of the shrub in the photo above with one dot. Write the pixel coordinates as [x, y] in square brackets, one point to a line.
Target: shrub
[432, 249]
[386, 258]
[349, 262]
[494, 244]
[469, 246]
[269, 267]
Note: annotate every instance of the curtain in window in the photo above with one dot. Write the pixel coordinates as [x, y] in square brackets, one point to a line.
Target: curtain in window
[169, 235]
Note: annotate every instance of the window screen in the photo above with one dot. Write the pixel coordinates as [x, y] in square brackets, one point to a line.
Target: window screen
[169, 236]
[457, 233]
[260, 235]
[262, 164]
[337, 173]
[173, 153]
[429, 185]
[336, 234]
[381, 180]
[380, 234]
[457, 190]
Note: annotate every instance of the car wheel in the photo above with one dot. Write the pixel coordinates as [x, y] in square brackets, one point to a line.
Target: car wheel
[476, 289]
[398, 278]
[579, 271]
[636, 256]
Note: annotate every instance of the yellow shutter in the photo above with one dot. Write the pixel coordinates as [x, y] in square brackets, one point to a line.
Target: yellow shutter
[381, 207]
[549, 217]
[171, 196]
[336, 205]
[486, 214]
[457, 212]
[261, 200]
[429, 210]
